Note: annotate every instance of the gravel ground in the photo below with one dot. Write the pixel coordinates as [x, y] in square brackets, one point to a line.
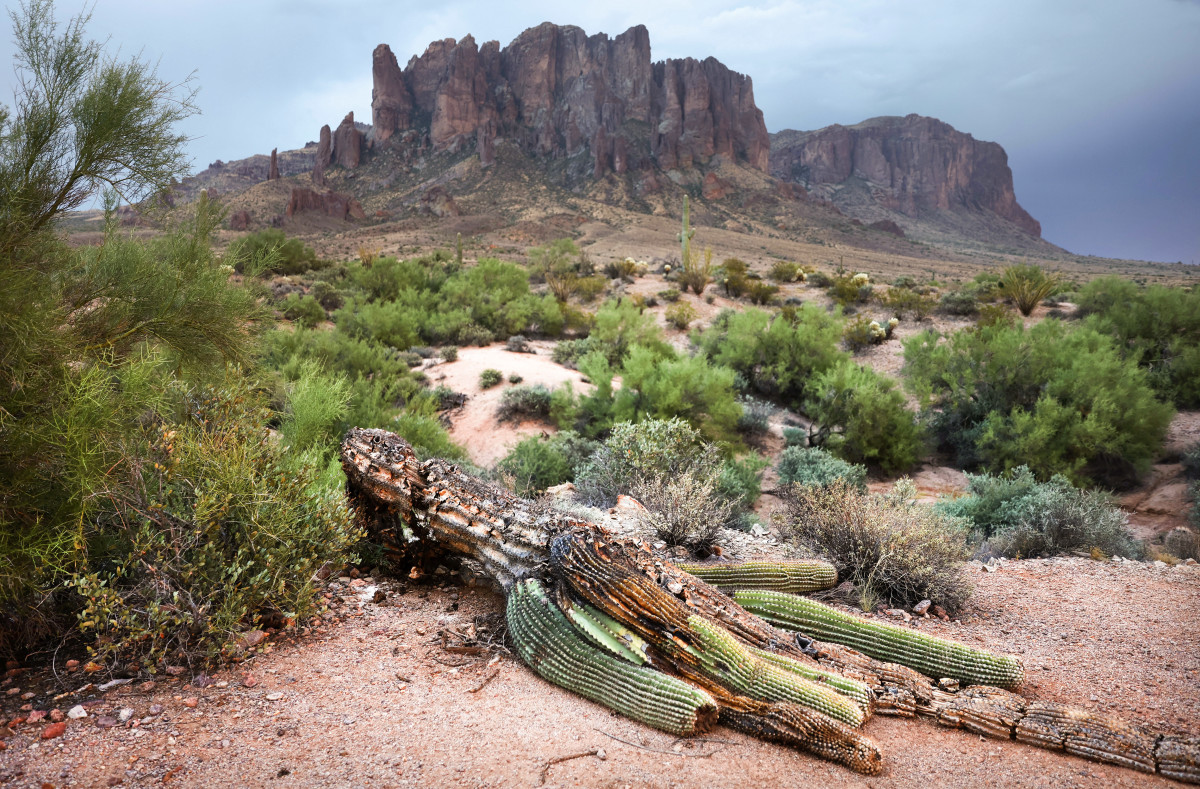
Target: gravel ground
[372, 698]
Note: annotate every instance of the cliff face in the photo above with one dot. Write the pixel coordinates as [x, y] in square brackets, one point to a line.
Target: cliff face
[914, 165]
[558, 92]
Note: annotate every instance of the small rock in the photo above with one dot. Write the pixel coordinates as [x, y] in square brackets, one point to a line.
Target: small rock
[155, 709]
[941, 613]
[896, 613]
[252, 638]
[249, 681]
[56, 715]
[35, 716]
[13, 691]
[54, 730]
[1160, 563]
[378, 597]
[125, 714]
[175, 671]
[922, 607]
[1190, 562]
[947, 683]
[106, 721]
[191, 701]
[990, 568]
[276, 696]
[600, 754]
[202, 681]
[72, 665]
[77, 712]
[222, 684]
[675, 587]
[357, 583]
[146, 686]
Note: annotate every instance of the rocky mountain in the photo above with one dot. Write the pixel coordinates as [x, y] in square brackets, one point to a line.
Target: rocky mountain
[913, 166]
[559, 93]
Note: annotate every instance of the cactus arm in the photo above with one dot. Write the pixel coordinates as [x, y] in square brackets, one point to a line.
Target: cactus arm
[550, 645]
[796, 577]
[858, 692]
[932, 656]
[606, 632]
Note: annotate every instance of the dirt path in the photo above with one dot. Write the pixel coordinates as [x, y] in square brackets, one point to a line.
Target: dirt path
[371, 698]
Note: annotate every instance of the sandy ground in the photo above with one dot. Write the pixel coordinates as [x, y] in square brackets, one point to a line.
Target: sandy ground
[371, 698]
[474, 425]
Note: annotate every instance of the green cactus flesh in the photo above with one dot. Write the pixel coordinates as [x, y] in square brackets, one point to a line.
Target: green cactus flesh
[797, 577]
[606, 632]
[550, 645]
[856, 691]
[934, 657]
[722, 657]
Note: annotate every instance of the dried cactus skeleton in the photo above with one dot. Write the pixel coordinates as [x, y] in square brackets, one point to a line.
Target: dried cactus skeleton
[601, 616]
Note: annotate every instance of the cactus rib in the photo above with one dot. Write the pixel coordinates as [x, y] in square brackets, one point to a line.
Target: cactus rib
[796, 577]
[932, 656]
[550, 645]
[858, 692]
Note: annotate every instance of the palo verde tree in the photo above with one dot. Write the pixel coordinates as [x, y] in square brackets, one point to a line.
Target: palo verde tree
[99, 345]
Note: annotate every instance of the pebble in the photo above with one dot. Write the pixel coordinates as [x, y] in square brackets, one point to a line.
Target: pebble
[249, 681]
[921, 607]
[54, 730]
[191, 701]
[156, 709]
[146, 686]
[56, 715]
[175, 671]
[106, 721]
[125, 714]
[35, 716]
[77, 712]
[600, 754]
[274, 696]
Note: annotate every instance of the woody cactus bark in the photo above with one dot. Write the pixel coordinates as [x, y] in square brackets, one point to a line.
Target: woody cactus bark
[615, 612]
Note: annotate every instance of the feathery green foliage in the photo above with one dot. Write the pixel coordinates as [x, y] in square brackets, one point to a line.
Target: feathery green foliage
[814, 467]
[1058, 398]
[863, 418]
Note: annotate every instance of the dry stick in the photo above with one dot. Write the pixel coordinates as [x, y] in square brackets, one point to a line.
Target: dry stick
[488, 679]
[669, 753]
[560, 759]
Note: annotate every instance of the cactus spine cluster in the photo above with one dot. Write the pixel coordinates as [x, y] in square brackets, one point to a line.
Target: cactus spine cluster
[930, 655]
[550, 645]
[796, 577]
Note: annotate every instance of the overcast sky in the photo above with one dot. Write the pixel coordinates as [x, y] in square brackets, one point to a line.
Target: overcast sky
[1096, 101]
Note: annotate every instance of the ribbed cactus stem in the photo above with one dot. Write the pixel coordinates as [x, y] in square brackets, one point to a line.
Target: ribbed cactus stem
[932, 656]
[796, 577]
[606, 632]
[685, 238]
[858, 692]
[549, 644]
[723, 657]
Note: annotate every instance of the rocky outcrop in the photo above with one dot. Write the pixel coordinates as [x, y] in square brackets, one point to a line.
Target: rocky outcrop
[436, 201]
[324, 156]
[558, 92]
[347, 143]
[239, 220]
[391, 102]
[329, 203]
[913, 165]
[273, 172]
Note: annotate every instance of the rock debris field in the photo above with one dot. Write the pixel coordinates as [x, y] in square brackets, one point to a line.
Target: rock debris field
[409, 684]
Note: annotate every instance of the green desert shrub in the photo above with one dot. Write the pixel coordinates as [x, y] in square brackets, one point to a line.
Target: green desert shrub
[785, 271]
[518, 343]
[863, 417]
[326, 294]
[1157, 326]
[1020, 516]
[741, 479]
[848, 290]
[810, 466]
[776, 354]
[1061, 399]
[394, 323]
[686, 509]
[795, 437]
[524, 402]
[862, 332]
[537, 463]
[303, 310]
[1182, 543]
[283, 255]
[756, 416]
[427, 435]
[670, 295]
[1191, 461]
[680, 315]
[894, 551]
[449, 353]
[316, 406]
[914, 303]
[963, 302]
[215, 534]
[489, 378]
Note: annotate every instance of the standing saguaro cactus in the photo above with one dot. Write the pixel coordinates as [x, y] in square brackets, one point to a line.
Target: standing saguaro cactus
[685, 238]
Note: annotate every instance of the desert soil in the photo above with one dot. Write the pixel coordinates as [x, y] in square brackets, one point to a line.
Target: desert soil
[369, 696]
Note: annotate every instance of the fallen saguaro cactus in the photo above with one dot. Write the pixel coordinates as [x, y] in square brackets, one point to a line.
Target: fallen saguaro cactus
[604, 617]
[797, 577]
[932, 656]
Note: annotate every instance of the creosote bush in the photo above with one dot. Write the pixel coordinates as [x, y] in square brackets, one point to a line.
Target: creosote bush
[524, 402]
[537, 463]
[894, 551]
[681, 314]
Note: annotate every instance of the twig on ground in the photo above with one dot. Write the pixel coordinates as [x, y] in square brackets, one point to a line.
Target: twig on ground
[486, 680]
[671, 753]
[560, 759]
